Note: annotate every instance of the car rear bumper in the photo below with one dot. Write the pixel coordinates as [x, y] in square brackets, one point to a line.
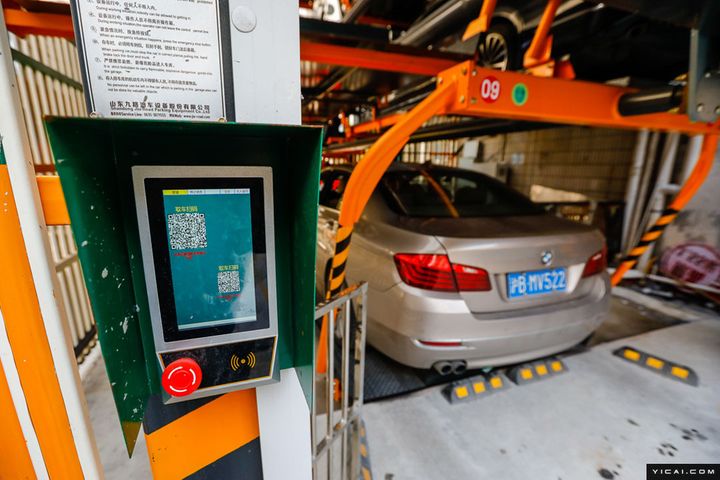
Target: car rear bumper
[402, 317]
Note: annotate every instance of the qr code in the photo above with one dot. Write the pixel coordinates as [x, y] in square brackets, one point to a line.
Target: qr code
[229, 281]
[187, 230]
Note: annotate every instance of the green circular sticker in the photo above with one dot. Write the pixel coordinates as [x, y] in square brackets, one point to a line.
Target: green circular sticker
[519, 94]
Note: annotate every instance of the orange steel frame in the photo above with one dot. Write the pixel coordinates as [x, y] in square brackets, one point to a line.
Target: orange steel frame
[34, 362]
[24, 23]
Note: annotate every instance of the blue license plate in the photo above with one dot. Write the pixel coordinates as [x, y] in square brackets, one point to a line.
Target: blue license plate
[521, 284]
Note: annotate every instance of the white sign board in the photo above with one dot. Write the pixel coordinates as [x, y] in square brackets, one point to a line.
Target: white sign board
[159, 59]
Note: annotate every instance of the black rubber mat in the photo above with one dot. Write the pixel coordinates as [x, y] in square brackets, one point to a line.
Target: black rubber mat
[385, 378]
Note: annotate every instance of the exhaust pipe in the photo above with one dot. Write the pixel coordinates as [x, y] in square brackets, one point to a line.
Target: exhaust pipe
[459, 367]
[443, 368]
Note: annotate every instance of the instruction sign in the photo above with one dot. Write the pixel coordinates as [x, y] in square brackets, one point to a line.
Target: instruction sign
[159, 59]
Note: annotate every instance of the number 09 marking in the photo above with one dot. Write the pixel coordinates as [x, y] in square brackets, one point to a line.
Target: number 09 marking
[490, 89]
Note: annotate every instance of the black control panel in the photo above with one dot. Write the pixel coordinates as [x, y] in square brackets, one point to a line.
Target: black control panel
[230, 362]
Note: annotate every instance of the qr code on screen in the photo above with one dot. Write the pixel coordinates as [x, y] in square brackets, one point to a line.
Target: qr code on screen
[229, 281]
[187, 230]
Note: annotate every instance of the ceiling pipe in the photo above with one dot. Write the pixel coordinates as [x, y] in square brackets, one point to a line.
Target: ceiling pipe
[451, 14]
[449, 131]
[358, 8]
[653, 100]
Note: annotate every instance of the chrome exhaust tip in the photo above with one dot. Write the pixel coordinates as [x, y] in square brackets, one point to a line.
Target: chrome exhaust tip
[459, 367]
[443, 368]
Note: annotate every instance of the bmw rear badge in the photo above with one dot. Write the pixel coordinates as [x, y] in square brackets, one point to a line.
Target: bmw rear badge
[546, 257]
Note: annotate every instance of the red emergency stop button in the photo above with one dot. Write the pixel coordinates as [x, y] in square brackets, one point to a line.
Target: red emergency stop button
[182, 377]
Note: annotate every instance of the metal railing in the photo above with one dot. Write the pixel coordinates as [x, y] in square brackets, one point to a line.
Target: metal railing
[338, 399]
[48, 76]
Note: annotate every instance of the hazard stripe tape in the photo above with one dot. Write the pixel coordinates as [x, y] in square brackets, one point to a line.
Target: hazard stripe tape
[228, 426]
[245, 463]
[342, 238]
[650, 236]
[339, 270]
[665, 220]
[666, 368]
[342, 245]
[340, 258]
[365, 467]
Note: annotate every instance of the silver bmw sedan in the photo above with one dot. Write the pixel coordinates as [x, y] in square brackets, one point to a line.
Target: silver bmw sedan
[465, 272]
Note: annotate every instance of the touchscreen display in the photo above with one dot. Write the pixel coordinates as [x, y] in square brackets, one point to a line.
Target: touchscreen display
[209, 255]
[209, 239]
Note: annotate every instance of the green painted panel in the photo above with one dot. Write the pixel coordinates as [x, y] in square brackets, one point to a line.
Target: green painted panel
[94, 158]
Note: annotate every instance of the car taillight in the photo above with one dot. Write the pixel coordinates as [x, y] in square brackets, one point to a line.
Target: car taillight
[596, 264]
[435, 272]
[431, 272]
[471, 279]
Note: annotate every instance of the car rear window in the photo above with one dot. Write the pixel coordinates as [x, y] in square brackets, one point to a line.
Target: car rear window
[447, 192]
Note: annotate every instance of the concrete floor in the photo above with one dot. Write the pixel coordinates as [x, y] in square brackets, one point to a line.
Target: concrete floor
[603, 414]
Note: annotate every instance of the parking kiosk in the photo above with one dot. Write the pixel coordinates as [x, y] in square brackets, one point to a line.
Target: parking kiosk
[197, 243]
[209, 261]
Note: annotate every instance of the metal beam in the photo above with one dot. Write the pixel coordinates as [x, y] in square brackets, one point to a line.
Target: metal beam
[554, 100]
[445, 131]
[372, 59]
[24, 23]
[344, 31]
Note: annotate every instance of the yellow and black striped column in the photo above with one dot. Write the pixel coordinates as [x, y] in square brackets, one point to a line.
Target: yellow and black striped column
[207, 439]
[339, 261]
[686, 193]
[631, 259]
[668, 215]
[337, 277]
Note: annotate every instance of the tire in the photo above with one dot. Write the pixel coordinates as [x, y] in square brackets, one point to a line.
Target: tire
[499, 47]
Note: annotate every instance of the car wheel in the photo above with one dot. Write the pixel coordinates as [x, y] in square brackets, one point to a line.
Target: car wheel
[498, 48]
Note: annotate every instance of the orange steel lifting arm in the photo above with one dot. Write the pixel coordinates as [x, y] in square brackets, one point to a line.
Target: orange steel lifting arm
[688, 190]
[482, 23]
[373, 165]
[361, 185]
[539, 50]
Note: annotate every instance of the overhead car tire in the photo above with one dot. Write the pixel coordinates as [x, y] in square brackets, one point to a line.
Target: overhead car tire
[499, 47]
